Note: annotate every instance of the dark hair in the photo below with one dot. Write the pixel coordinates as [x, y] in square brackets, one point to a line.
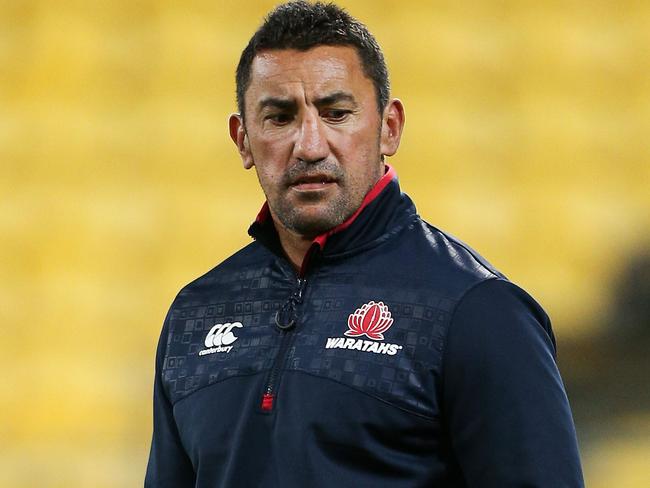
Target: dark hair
[301, 25]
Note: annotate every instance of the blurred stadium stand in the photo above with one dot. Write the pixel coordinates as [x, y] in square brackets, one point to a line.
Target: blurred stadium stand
[527, 136]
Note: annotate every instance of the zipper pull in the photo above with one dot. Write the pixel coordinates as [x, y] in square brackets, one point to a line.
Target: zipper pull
[302, 283]
[285, 317]
[267, 402]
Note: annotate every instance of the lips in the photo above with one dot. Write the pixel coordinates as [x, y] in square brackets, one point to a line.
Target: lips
[313, 181]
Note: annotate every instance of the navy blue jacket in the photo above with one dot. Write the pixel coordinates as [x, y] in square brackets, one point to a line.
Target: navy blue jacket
[397, 357]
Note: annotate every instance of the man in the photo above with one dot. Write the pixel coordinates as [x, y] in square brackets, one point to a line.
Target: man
[352, 344]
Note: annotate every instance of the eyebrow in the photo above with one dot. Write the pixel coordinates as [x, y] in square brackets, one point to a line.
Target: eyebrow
[290, 104]
[338, 96]
[281, 103]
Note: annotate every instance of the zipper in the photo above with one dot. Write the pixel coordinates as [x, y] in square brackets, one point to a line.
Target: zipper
[285, 320]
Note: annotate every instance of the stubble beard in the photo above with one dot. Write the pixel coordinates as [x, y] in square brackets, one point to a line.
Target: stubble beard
[304, 221]
[310, 223]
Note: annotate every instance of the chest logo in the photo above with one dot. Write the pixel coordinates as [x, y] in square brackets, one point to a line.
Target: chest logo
[371, 320]
[220, 338]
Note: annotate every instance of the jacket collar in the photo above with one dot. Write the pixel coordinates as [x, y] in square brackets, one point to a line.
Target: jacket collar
[382, 209]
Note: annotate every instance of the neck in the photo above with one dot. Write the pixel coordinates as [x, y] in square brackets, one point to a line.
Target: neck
[295, 246]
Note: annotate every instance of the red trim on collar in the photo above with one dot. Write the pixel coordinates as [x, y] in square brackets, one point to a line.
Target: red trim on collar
[264, 213]
[372, 194]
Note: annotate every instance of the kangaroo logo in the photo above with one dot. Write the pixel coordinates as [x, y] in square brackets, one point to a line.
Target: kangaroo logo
[220, 338]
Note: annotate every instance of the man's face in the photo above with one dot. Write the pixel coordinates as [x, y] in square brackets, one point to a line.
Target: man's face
[313, 133]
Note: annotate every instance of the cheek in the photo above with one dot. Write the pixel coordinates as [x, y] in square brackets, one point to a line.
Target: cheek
[361, 135]
[268, 178]
[270, 158]
[358, 150]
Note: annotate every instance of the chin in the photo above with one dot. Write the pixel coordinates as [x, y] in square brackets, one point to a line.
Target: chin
[312, 223]
[313, 227]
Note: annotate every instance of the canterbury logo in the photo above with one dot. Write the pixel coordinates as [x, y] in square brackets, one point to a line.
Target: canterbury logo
[220, 338]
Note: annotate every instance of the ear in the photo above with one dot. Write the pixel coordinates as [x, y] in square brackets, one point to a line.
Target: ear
[240, 138]
[391, 127]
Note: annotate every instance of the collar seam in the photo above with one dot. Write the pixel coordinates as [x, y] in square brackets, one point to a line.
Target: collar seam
[392, 233]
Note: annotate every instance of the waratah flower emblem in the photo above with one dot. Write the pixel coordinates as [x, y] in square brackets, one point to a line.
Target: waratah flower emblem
[372, 319]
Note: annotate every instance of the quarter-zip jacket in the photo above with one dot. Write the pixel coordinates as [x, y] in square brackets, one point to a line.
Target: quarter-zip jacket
[396, 357]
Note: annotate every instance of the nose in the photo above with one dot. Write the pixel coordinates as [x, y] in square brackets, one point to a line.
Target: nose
[311, 143]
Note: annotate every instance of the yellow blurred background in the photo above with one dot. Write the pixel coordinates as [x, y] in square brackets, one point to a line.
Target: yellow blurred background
[527, 136]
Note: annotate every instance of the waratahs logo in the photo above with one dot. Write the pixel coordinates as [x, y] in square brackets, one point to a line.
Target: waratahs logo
[372, 320]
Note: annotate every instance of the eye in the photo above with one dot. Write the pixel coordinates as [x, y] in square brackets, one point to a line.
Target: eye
[336, 115]
[279, 118]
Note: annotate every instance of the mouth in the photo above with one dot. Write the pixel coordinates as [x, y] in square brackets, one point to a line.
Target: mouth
[313, 182]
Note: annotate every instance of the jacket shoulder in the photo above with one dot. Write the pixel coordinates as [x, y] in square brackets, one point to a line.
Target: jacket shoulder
[449, 260]
[233, 268]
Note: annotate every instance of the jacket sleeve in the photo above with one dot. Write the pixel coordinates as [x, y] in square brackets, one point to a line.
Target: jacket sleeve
[507, 411]
[169, 466]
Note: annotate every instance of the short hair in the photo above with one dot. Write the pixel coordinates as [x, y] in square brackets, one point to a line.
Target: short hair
[302, 25]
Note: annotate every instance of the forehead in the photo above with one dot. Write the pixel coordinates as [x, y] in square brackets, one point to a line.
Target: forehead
[292, 73]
